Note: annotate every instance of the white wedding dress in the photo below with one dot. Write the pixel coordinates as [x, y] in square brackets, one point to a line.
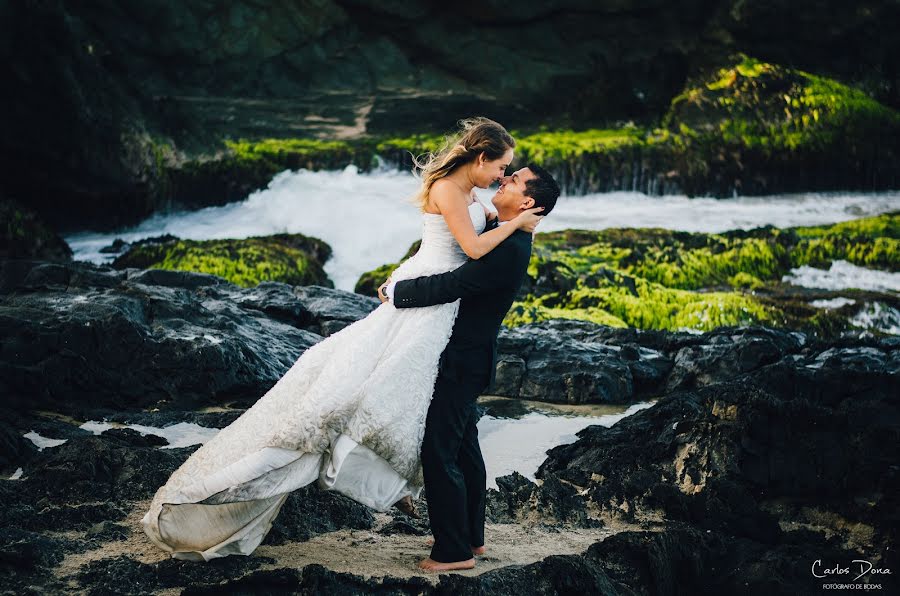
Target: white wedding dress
[349, 413]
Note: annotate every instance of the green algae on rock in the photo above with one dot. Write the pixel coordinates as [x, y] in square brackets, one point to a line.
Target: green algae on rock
[370, 280]
[654, 278]
[24, 235]
[290, 258]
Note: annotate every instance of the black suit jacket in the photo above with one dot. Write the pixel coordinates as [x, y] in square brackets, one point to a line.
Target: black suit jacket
[487, 287]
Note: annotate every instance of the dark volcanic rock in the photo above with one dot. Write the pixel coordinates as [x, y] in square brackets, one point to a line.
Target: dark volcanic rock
[728, 456]
[310, 511]
[23, 235]
[14, 448]
[124, 575]
[78, 336]
[332, 310]
[99, 468]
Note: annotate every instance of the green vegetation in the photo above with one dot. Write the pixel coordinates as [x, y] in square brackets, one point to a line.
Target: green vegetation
[290, 258]
[369, 281]
[751, 127]
[654, 278]
[24, 235]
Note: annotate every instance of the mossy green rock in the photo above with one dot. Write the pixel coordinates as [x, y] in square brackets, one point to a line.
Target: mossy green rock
[290, 258]
[653, 278]
[24, 235]
[369, 281]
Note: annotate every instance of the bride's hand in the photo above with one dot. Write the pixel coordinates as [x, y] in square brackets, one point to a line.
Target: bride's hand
[529, 219]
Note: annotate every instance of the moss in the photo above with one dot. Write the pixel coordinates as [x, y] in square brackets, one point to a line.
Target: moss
[290, 258]
[24, 235]
[654, 278]
[370, 280]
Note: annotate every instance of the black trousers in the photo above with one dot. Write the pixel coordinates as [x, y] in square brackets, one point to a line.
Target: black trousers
[453, 467]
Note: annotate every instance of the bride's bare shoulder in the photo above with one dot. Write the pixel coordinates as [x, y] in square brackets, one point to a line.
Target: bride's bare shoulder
[446, 195]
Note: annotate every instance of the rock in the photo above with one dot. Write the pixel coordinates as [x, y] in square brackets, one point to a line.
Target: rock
[79, 336]
[133, 437]
[286, 258]
[99, 468]
[807, 429]
[402, 527]
[14, 448]
[118, 246]
[727, 353]
[332, 310]
[24, 235]
[544, 362]
[310, 511]
[107, 531]
[26, 559]
[125, 574]
[518, 500]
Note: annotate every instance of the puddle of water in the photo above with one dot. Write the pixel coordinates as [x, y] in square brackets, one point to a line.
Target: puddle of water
[182, 434]
[42, 442]
[516, 434]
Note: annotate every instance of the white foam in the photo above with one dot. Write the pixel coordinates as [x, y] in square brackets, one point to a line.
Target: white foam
[832, 302]
[843, 275]
[42, 442]
[521, 444]
[17, 474]
[182, 434]
[369, 219]
[880, 316]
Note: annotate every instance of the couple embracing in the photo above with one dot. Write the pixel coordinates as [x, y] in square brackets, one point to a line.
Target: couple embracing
[386, 406]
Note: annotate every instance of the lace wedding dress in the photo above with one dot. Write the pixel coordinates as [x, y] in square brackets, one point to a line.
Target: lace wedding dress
[349, 413]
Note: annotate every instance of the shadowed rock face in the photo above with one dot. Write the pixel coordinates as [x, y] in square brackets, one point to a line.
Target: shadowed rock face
[77, 335]
[99, 87]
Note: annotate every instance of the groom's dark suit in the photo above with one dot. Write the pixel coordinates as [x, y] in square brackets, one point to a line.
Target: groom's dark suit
[453, 467]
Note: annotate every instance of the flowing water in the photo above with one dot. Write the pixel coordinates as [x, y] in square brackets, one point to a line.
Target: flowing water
[369, 219]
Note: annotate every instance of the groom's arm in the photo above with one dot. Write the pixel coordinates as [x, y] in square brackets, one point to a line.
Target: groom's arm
[502, 267]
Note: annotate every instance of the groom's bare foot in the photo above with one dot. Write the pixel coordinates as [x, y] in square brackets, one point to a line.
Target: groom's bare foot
[476, 550]
[430, 565]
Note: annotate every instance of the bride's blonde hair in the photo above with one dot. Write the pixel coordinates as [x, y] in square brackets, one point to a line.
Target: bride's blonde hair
[474, 136]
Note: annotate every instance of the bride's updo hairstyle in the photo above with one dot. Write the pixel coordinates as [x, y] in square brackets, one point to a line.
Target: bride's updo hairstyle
[476, 135]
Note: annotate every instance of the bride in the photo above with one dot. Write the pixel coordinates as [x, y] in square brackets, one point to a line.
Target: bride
[351, 410]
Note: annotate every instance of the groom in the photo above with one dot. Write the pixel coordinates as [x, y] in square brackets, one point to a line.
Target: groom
[452, 465]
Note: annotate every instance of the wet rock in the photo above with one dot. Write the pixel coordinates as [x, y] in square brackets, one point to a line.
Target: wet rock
[24, 235]
[99, 468]
[133, 437]
[107, 531]
[808, 429]
[26, 558]
[311, 511]
[14, 448]
[727, 353]
[397, 526]
[118, 246]
[124, 575]
[332, 310]
[316, 579]
[545, 362]
[519, 500]
[79, 336]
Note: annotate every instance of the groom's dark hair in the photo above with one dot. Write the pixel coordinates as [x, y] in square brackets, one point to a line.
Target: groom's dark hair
[543, 189]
